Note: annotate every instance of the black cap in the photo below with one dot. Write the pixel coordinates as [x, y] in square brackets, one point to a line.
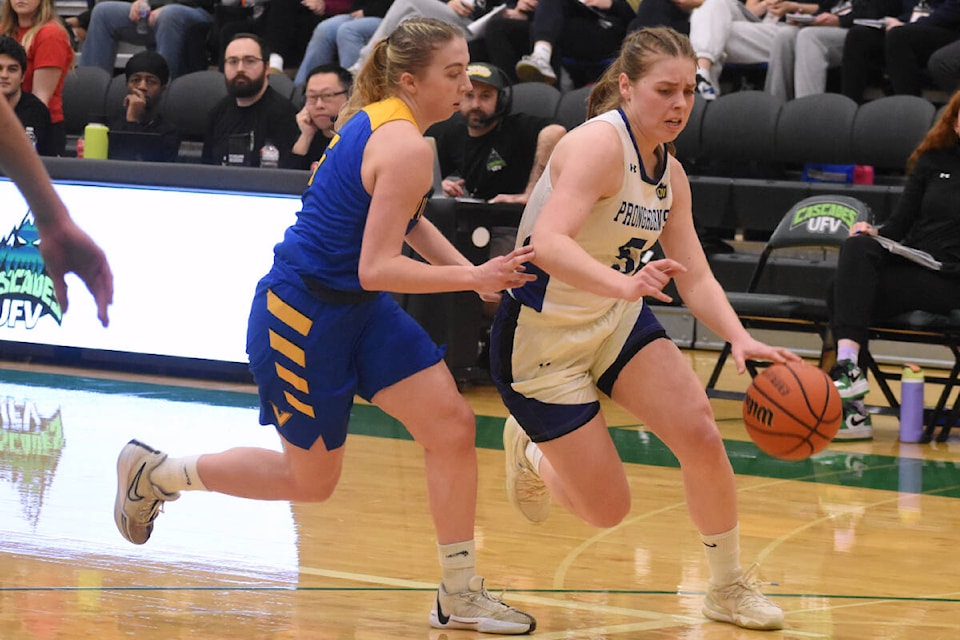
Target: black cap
[488, 74]
[149, 62]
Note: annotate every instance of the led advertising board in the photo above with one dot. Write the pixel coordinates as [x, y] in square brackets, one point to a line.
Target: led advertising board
[185, 265]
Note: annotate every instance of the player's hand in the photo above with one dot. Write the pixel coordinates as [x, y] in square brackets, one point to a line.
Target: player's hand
[651, 280]
[504, 272]
[66, 248]
[750, 348]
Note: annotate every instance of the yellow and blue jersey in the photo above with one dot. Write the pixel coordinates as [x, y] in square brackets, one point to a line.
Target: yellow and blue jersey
[324, 243]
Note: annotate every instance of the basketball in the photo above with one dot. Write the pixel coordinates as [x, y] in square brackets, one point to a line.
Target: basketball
[792, 411]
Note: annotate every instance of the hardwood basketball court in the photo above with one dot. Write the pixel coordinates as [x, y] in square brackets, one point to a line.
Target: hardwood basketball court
[859, 542]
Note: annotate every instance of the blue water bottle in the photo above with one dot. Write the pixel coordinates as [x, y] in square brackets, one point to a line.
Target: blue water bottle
[911, 404]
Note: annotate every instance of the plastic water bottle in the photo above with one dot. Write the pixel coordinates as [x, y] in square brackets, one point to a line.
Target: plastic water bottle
[911, 404]
[143, 24]
[269, 156]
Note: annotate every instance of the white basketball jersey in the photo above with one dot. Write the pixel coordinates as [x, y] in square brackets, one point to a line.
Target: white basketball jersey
[617, 233]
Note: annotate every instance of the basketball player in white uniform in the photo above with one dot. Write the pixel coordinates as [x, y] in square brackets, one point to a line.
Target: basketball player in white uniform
[609, 191]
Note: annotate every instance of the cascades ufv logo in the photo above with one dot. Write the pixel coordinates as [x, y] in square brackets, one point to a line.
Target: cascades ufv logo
[26, 291]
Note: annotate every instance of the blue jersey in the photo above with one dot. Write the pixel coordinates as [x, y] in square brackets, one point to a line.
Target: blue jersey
[324, 243]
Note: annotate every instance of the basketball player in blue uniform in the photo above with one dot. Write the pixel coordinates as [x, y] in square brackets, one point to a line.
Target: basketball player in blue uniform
[609, 192]
[322, 329]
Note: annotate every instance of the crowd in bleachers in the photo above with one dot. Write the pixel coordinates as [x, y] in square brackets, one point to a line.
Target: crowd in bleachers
[860, 48]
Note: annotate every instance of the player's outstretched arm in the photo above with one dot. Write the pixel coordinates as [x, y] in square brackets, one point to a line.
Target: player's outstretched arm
[63, 245]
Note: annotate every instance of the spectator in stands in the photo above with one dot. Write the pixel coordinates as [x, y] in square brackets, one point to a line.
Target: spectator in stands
[584, 30]
[285, 25]
[80, 23]
[170, 27]
[872, 282]
[664, 13]
[506, 37]
[147, 75]
[33, 114]
[338, 39]
[869, 52]
[37, 27]
[327, 90]
[944, 67]
[730, 31]
[488, 152]
[909, 48]
[252, 114]
[801, 55]
[459, 12]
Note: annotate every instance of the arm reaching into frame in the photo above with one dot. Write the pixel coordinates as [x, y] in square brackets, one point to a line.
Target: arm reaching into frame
[64, 246]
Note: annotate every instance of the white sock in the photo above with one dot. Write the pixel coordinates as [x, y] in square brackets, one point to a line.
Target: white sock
[457, 564]
[723, 556]
[534, 455]
[178, 474]
[543, 50]
[849, 352]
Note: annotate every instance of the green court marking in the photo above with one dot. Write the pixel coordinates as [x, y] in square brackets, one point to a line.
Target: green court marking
[870, 471]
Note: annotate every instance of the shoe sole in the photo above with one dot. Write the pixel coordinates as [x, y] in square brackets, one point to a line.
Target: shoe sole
[529, 73]
[723, 616]
[855, 391]
[128, 457]
[854, 433]
[483, 625]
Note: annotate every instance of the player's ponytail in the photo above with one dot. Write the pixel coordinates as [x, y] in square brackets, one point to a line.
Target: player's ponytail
[409, 49]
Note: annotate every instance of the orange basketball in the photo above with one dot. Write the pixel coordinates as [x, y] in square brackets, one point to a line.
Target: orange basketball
[792, 411]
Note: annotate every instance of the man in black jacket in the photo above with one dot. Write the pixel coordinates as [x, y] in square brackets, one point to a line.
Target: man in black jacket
[252, 116]
[147, 76]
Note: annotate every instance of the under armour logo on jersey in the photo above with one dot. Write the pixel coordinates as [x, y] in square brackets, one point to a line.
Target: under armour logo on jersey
[633, 168]
[945, 176]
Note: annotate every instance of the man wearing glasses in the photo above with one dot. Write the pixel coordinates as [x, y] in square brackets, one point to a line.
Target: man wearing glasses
[252, 115]
[326, 91]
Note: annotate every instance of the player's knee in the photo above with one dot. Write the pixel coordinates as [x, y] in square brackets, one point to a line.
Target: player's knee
[314, 488]
[612, 513]
[454, 428]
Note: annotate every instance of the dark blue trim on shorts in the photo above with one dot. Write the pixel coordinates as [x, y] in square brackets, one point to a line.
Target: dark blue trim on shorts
[646, 329]
[541, 421]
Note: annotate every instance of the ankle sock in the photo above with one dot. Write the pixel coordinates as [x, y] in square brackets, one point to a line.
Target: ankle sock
[178, 474]
[848, 352]
[543, 51]
[723, 556]
[534, 455]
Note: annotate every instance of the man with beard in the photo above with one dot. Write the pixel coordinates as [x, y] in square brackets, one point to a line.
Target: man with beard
[487, 152]
[31, 111]
[326, 90]
[147, 75]
[252, 115]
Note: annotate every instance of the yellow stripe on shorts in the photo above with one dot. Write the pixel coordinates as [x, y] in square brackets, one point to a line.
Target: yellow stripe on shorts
[287, 348]
[287, 314]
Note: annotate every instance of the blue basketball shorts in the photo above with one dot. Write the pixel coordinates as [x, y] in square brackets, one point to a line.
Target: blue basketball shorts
[549, 377]
[310, 357]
